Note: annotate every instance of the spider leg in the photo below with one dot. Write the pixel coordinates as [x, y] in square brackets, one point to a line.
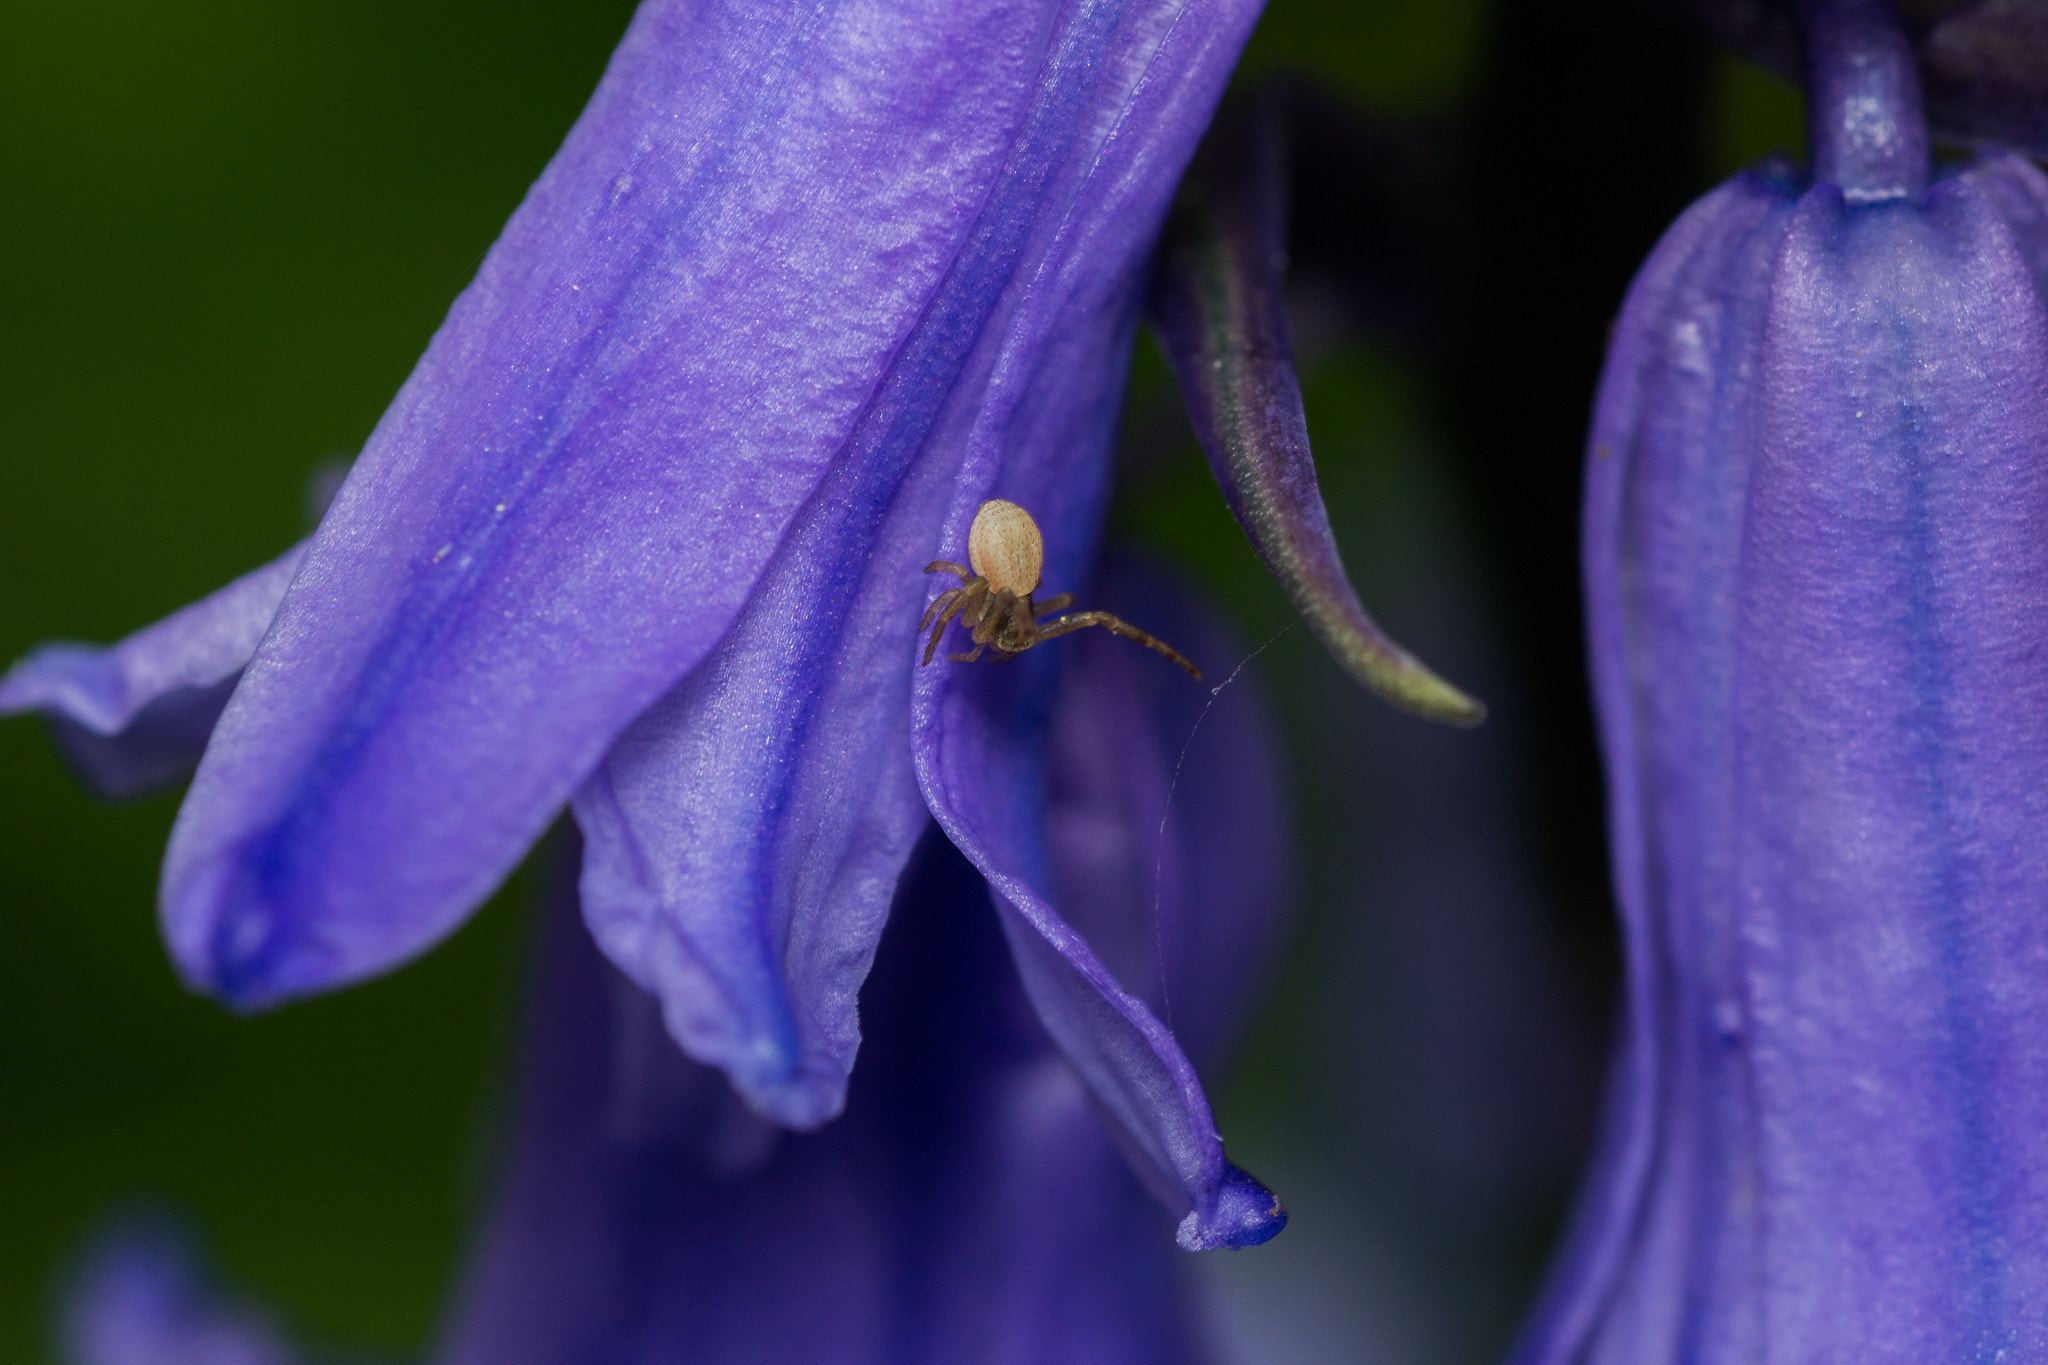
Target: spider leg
[963, 599]
[993, 620]
[1080, 619]
[938, 630]
[948, 566]
[946, 599]
[1060, 603]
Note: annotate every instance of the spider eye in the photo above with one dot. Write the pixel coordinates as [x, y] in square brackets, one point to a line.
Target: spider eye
[1004, 547]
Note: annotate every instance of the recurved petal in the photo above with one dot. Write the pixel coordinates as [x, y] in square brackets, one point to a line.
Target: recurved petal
[743, 838]
[1166, 826]
[980, 742]
[1058, 1253]
[1032, 1239]
[766, 216]
[135, 716]
[1222, 319]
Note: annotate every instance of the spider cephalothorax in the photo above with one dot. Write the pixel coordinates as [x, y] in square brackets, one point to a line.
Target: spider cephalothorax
[994, 602]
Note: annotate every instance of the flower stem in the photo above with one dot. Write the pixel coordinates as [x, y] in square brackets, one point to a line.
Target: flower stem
[1869, 135]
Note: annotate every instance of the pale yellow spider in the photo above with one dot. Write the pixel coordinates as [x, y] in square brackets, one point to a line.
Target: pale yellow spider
[994, 602]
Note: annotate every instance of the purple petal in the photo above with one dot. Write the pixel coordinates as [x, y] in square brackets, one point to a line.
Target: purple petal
[2016, 188]
[1033, 1240]
[1040, 440]
[979, 735]
[1889, 791]
[641, 1210]
[143, 1299]
[1817, 532]
[1222, 319]
[766, 227]
[743, 838]
[135, 716]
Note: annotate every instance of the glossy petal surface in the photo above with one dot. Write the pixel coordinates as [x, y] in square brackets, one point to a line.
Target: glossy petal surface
[1817, 533]
[136, 715]
[646, 525]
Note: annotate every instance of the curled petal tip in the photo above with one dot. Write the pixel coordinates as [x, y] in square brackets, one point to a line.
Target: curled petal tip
[133, 717]
[1217, 305]
[240, 960]
[801, 1094]
[1245, 1214]
[232, 942]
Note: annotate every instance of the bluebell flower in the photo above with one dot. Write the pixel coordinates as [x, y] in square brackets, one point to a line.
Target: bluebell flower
[646, 534]
[970, 1204]
[1816, 557]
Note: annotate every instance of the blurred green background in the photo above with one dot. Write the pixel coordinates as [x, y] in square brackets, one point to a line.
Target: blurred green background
[227, 228]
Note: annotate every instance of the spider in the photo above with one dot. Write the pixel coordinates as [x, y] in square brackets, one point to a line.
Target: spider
[994, 602]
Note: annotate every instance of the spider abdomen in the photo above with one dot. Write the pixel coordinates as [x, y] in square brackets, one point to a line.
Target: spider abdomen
[1005, 547]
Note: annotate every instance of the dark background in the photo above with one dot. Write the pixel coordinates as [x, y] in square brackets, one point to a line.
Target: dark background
[227, 228]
